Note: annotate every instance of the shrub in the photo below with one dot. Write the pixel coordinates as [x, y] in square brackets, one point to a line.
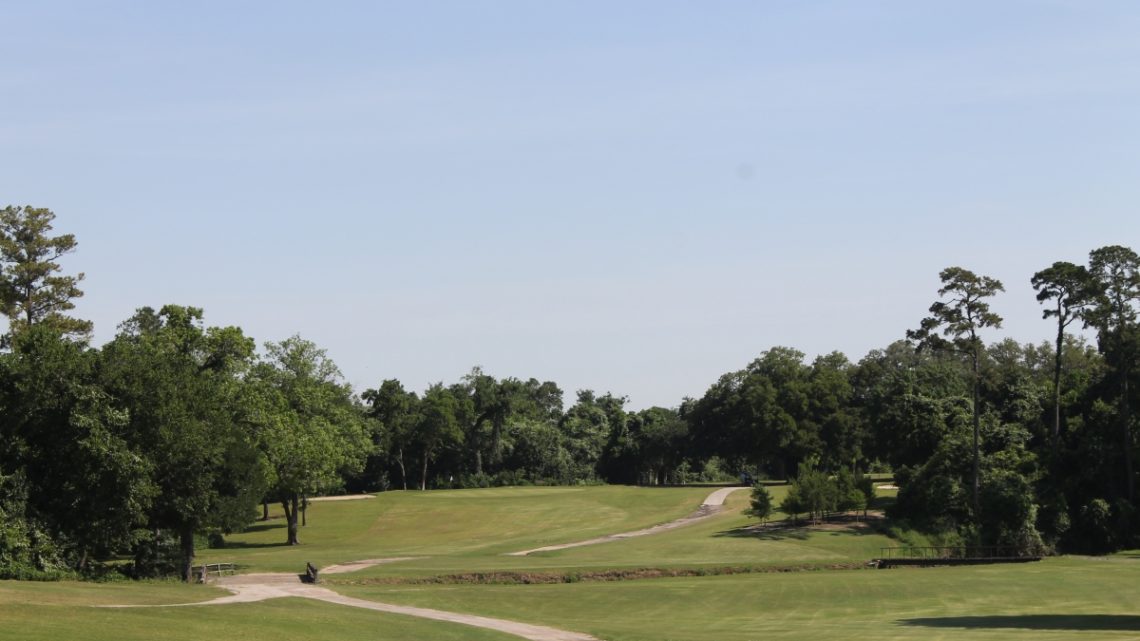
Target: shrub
[761, 503]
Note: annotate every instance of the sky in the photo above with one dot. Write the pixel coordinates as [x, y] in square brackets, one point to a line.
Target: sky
[634, 197]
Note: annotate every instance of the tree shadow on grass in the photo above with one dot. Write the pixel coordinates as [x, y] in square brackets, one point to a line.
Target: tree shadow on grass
[766, 533]
[264, 527]
[243, 545]
[1127, 622]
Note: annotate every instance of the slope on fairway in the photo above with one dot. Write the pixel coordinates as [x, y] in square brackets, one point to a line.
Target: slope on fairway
[460, 525]
[1069, 598]
[729, 538]
[62, 611]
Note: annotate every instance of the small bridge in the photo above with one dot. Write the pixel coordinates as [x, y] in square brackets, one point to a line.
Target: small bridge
[945, 555]
[203, 572]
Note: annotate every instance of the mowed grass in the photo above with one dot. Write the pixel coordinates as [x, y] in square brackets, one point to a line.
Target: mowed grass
[464, 531]
[1072, 598]
[462, 526]
[64, 611]
[456, 532]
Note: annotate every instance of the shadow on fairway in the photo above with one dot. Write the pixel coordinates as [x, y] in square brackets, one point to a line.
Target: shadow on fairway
[243, 545]
[264, 527]
[766, 533]
[1128, 622]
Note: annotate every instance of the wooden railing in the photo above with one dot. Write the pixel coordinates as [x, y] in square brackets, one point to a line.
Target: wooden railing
[202, 572]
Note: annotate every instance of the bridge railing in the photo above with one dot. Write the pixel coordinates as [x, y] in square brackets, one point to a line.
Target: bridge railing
[202, 572]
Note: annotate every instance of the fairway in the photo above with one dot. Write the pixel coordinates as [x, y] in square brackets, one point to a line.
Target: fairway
[453, 536]
[459, 526]
[1056, 599]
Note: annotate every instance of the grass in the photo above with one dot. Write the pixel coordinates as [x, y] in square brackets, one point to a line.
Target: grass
[1055, 599]
[462, 526]
[468, 531]
[61, 611]
[472, 530]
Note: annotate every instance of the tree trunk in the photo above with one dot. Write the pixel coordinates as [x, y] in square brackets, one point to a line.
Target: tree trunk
[1125, 420]
[265, 510]
[186, 541]
[290, 504]
[304, 511]
[977, 428]
[403, 472]
[423, 475]
[1057, 379]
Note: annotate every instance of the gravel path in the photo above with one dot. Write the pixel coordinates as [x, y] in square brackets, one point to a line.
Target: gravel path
[712, 504]
[250, 588]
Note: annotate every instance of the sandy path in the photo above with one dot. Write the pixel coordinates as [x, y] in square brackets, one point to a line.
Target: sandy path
[345, 497]
[353, 566]
[250, 588]
[712, 504]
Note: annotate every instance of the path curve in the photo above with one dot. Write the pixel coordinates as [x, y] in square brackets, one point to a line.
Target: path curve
[250, 588]
[712, 504]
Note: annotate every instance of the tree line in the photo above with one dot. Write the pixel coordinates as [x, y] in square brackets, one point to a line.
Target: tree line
[176, 433]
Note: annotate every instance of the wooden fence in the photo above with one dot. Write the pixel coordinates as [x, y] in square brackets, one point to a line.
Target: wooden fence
[203, 572]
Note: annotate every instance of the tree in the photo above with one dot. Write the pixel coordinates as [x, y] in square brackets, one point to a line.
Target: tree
[84, 482]
[180, 383]
[396, 410]
[761, 506]
[436, 426]
[1116, 271]
[31, 289]
[961, 317]
[309, 428]
[1070, 286]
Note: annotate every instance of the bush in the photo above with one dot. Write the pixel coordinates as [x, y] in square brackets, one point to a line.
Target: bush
[793, 504]
[761, 503]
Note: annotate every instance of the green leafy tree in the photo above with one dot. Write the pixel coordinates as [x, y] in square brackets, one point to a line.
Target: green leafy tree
[309, 428]
[955, 323]
[85, 484]
[396, 410]
[761, 504]
[180, 383]
[1116, 272]
[32, 290]
[793, 503]
[436, 427]
[1070, 288]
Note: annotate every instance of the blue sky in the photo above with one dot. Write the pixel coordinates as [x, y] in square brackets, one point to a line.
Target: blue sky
[634, 197]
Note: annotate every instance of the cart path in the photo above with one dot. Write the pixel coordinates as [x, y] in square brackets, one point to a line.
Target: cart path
[712, 504]
[250, 588]
[342, 497]
[353, 566]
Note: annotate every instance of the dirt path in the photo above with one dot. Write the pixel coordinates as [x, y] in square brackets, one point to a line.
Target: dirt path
[250, 588]
[344, 497]
[353, 566]
[712, 504]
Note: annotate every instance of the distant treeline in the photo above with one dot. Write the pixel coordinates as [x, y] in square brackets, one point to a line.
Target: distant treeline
[175, 433]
